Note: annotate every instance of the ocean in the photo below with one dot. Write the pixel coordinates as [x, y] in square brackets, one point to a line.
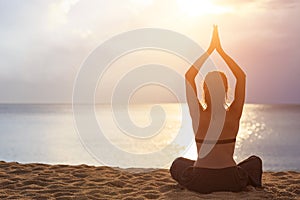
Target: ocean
[46, 133]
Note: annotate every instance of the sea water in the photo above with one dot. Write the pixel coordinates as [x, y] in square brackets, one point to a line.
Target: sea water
[48, 134]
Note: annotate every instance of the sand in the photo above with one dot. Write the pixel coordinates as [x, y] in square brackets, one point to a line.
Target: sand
[41, 181]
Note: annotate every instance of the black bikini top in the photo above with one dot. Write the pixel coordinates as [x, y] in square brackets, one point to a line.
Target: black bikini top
[226, 141]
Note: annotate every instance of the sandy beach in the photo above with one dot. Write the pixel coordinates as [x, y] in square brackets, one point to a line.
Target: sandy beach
[41, 181]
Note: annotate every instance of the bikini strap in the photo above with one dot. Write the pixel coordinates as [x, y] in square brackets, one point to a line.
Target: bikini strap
[226, 141]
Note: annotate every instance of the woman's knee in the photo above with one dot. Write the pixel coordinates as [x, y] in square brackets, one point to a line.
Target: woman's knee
[251, 159]
[174, 167]
[179, 165]
[256, 158]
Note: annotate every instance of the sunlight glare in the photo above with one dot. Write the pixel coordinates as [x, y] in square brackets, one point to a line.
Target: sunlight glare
[58, 12]
[201, 7]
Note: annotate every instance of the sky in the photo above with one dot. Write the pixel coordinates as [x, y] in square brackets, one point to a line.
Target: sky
[44, 43]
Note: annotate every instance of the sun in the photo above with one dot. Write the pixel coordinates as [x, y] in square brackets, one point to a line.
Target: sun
[201, 7]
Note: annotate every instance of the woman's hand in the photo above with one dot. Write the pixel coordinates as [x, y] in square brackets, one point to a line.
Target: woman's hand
[215, 41]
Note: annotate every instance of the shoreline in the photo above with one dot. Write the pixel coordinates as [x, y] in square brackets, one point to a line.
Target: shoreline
[44, 181]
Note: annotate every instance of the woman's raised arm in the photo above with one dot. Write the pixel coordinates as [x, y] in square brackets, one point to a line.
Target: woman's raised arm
[190, 75]
[239, 96]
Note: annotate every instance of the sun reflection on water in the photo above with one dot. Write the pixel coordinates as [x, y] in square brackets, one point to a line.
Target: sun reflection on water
[251, 123]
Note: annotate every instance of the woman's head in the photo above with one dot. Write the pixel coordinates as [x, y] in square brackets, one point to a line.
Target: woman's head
[217, 88]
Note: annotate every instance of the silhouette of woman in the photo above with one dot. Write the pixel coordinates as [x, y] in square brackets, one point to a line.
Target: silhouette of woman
[216, 127]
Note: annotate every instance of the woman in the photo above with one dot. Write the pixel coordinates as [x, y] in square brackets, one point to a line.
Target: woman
[216, 127]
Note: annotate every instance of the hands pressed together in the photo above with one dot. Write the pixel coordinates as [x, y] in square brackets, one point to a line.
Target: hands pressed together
[215, 42]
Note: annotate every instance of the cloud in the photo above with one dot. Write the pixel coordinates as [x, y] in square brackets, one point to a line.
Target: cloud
[266, 4]
[279, 4]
